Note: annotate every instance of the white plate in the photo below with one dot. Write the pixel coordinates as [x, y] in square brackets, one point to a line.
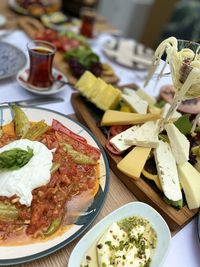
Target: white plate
[18, 254]
[57, 87]
[130, 209]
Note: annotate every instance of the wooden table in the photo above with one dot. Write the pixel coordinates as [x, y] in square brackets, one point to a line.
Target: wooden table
[118, 194]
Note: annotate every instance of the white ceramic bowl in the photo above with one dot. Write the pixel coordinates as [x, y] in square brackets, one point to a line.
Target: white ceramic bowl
[130, 209]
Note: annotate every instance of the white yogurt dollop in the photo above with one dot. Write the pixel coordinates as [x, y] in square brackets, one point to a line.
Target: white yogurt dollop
[34, 174]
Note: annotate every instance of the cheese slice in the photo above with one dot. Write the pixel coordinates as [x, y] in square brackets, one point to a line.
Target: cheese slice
[145, 135]
[144, 95]
[167, 171]
[114, 117]
[190, 181]
[135, 102]
[118, 140]
[175, 115]
[85, 83]
[179, 143]
[155, 110]
[133, 164]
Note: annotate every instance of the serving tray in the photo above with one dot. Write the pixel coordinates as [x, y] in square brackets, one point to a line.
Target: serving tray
[31, 26]
[89, 115]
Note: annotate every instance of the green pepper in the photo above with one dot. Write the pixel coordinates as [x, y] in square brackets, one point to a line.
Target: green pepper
[53, 227]
[78, 157]
[55, 166]
[38, 129]
[8, 212]
[21, 121]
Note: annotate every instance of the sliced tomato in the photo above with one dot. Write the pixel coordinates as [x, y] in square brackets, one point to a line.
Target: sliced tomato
[116, 129]
[57, 44]
[57, 126]
[111, 148]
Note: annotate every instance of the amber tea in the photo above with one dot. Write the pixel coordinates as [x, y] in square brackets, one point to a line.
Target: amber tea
[88, 17]
[41, 55]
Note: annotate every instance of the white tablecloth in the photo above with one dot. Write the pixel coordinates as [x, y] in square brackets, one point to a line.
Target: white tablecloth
[185, 247]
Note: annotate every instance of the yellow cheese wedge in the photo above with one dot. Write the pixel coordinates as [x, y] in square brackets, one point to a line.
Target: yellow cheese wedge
[114, 117]
[155, 110]
[85, 83]
[133, 164]
[190, 180]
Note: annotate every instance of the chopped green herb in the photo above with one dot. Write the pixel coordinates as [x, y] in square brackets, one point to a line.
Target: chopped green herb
[15, 158]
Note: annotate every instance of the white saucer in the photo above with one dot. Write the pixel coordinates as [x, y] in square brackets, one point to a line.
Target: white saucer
[57, 86]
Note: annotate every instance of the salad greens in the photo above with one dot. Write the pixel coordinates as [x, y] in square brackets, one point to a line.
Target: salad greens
[15, 158]
[84, 56]
[183, 124]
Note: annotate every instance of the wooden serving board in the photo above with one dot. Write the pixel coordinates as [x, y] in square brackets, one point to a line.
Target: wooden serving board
[89, 115]
[31, 26]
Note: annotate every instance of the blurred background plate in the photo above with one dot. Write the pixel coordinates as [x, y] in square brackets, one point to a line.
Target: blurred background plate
[12, 60]
[16, 7]
[34, 8]
[60, 22]
[128, 53]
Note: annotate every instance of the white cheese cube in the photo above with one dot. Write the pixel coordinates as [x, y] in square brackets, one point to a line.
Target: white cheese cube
[112, 236]
[135, 102]
[145, 135]
[179, 143]
[118, 140]
[167, 171]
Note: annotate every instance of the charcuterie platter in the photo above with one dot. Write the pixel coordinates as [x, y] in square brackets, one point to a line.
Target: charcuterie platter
[143, 189]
